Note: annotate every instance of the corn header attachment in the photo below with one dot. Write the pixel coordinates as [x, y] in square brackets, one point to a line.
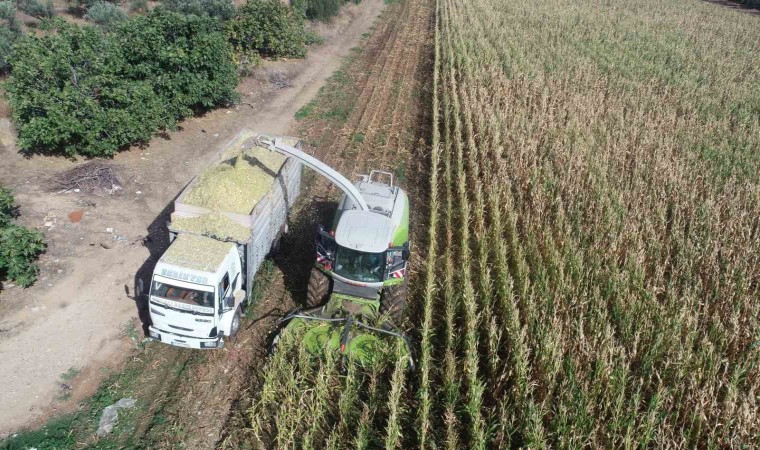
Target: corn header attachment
[323, 330]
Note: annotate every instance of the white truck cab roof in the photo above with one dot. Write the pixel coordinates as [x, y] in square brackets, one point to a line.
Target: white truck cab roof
[364, 231]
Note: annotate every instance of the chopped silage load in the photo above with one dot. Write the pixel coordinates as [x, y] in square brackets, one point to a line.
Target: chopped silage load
[196, 252]
[213, 224]
[237, 184]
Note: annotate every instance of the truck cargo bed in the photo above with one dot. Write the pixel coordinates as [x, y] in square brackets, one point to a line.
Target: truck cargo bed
[266, 221]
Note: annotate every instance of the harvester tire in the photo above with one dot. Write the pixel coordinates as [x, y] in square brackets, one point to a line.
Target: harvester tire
[393, 301]
[318, 290]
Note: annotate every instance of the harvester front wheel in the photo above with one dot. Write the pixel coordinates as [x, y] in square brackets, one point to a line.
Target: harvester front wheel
[393, 301]
[318, 290]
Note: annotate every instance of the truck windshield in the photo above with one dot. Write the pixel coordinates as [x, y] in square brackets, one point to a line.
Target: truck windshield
[359, 266]
[183, 295]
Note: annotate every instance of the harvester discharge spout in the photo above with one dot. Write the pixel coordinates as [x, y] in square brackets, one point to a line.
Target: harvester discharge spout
[277, 145]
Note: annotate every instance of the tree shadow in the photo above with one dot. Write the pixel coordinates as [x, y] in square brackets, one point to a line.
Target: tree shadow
[156, 241]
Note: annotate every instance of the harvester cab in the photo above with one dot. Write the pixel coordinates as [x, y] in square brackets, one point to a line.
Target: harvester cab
[362, 257]
[357, 288]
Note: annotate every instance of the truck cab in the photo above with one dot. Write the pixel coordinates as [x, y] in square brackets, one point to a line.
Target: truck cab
[196, 292]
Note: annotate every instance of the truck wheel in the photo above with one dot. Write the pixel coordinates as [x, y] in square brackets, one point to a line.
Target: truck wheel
[393, 301]
[319, 288]
[235, 326]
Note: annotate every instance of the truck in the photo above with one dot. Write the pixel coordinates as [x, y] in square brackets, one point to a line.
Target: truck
[204, 280]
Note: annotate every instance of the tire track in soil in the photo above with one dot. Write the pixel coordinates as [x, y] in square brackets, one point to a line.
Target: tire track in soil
[385, 75]
[397, 54]
[373, 85]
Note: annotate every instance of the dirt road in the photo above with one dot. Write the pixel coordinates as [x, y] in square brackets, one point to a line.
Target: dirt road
[78, 314]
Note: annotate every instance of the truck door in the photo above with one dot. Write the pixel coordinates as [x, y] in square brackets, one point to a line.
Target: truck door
[224, 293]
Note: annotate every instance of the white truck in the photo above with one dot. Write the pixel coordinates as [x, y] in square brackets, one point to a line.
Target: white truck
[202, 282]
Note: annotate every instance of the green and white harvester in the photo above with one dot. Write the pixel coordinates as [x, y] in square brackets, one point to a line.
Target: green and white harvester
[357, 289]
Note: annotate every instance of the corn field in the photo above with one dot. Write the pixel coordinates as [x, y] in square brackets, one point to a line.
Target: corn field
[593, 244]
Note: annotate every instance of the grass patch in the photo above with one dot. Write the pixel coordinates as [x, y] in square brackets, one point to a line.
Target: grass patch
[305, 111]
[338, 113]
[358, 137]
[381, 138]
[70, 374]
[400, 172]
[70, 430]
[335, 100]
[57, 434]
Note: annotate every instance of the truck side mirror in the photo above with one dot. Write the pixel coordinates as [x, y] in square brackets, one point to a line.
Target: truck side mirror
[229, 302]
[405, 254]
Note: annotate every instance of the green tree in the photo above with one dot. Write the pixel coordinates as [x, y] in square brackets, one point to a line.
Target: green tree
[269, 28]
[84, 5]
[323, 10]
[41, 9]
[105, 14]
[19, 246]
[10, 31]
[86, 91]
[186, 58]
[69, 95]
[7, 207]
[221, 9]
